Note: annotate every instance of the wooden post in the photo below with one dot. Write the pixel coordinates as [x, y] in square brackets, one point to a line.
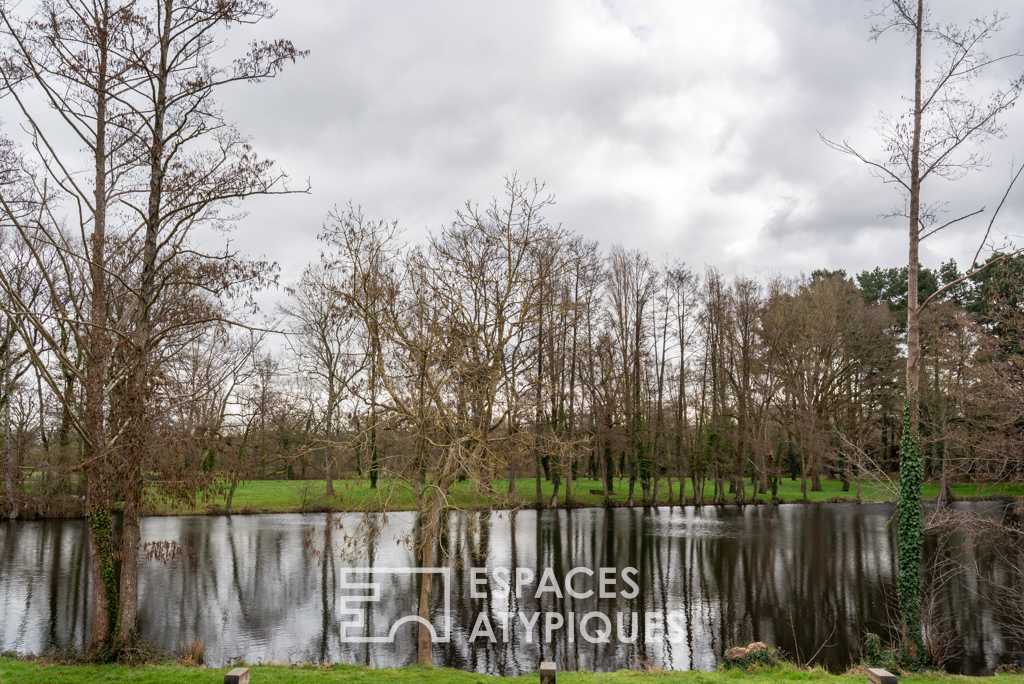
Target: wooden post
[547, 673]
[879, 676]
[240, 675]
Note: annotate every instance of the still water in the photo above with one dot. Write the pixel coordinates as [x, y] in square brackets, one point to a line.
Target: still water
[686, 583]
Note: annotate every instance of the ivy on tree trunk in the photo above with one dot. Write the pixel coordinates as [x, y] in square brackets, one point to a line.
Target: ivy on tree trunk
[910, 533]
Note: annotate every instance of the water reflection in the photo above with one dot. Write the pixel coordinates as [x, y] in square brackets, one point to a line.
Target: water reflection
[810, 579]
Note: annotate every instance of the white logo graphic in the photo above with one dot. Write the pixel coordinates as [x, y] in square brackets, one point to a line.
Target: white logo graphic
[374, 595]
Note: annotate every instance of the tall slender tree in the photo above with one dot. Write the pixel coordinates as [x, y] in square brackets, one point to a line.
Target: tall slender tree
[939, 138]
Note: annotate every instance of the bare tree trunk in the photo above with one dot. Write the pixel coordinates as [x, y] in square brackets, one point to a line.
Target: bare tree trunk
[96, 375]
[680, 472]
[632, 480]
[424, 645]
[512, 475]
[741, 456]
[568, 477]
[329, 448]
[329, 485]
[554, 496]
[538, 411]
[8, 467]
[803, 475]
[42, 418]
[374, 466]
[945, 495]
[131, 538]
[139, 391]
[698, 484]
[816, 473]
[913, 259]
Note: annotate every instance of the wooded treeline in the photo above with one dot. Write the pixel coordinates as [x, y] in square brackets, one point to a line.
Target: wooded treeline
[506, 347]
[518, 348]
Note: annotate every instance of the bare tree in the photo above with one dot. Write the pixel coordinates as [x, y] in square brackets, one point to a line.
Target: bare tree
[134, 86]
[323, 328]
[65, 58]
[632, 283]
[682, 287]
[939, 139]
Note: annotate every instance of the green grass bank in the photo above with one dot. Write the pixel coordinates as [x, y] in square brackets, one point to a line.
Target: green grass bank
[299, 496]
[37, 672]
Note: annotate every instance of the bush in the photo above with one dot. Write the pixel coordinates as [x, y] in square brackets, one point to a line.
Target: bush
[137, 651]
[755, 655]
[873, 655]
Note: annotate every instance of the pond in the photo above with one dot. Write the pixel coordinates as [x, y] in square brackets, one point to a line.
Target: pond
[681, 585]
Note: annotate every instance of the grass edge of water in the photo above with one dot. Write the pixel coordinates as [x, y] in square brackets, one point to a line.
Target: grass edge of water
[40, 671]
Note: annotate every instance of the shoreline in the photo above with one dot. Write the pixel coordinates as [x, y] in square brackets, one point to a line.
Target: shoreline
[272, 497]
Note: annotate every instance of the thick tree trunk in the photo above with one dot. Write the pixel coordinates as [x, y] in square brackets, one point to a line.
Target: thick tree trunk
[103, 590]
[139, 390]
[131, 538]
[96, 376]
[424, 645]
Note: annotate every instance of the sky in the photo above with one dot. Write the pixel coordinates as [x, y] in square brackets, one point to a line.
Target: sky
[686, 129]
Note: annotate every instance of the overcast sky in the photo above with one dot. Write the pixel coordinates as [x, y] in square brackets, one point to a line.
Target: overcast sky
[687, 129]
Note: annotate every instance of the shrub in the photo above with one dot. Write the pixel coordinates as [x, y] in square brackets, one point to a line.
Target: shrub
[873, 655]
[755, 655]
[193, 652]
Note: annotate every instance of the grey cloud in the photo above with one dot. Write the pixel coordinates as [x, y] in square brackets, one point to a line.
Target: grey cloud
[694, 135]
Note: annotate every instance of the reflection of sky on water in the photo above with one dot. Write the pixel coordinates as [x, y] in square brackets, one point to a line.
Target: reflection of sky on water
[731, 574]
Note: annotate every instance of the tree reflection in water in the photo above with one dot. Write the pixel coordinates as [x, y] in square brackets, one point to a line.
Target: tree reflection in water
[794, 576]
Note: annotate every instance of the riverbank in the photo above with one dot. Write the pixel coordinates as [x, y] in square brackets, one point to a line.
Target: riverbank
[37, 672]
[309, 496]
[306, 496]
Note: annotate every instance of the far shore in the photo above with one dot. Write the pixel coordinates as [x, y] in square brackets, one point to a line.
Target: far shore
[255, 497]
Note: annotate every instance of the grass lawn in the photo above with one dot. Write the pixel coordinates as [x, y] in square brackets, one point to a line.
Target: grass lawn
[35, 673]
[291, 496]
